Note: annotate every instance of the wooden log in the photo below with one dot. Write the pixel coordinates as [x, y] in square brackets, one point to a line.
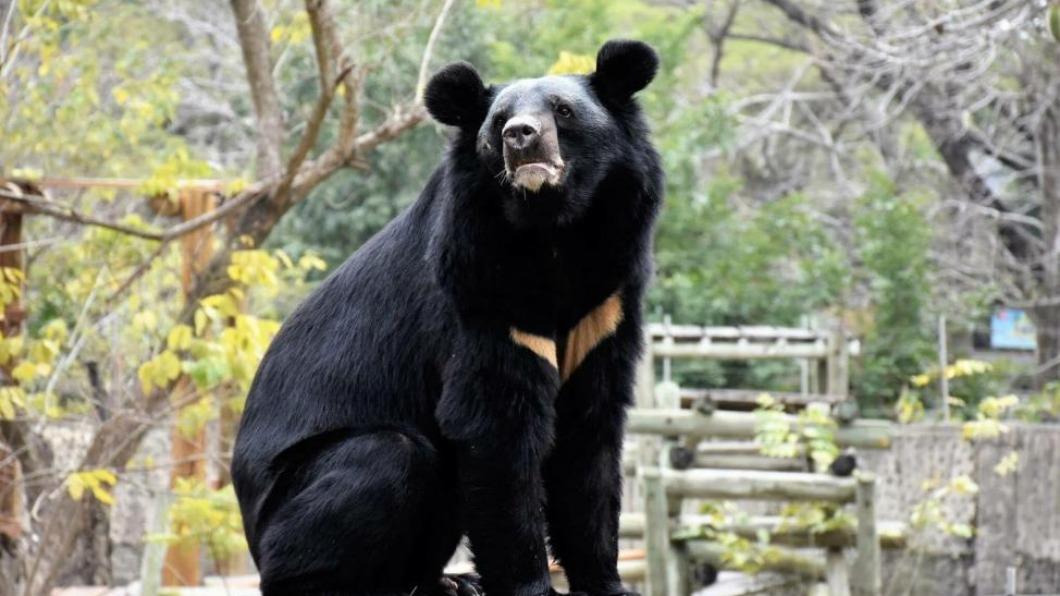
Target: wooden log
[696, 332]
[751, 462]
[838, 361]
[866, 579]
[872, 434]
[741, 350]
[12, 487]
[835, 571]
[749, 397]
[631, 568]
[779, 559]
[755, 485]
[735, 448]
[633, 571]
[656, 530]
[183, 563]
[892, 534]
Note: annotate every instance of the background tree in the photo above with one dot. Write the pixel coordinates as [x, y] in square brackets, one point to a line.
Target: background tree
[117, 110]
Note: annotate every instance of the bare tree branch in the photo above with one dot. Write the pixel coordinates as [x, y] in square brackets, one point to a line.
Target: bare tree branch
[254, 42]
[322, 23]
[42, 205]
[428, 50]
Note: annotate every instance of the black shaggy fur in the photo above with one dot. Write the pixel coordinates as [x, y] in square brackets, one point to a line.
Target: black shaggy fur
[393, 412]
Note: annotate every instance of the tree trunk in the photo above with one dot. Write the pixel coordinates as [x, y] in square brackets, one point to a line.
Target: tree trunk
[1046, 313]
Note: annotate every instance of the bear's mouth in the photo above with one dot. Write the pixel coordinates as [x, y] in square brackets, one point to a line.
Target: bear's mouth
[533, 175]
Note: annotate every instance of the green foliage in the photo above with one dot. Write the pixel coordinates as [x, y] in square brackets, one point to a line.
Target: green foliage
[893, 239]
[202, 515]
[89, 88]
[971, 383]
[1043, 406]
[812, 434]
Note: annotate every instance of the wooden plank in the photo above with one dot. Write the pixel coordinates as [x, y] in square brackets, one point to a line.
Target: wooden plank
[751, 462]
[835, 570]
[838, 362]
[759, 486]
[750, 396]
[780, 559]
[893, 534]
[686, 332]
[741, 350]
[12, 486]
[866, 579]
[656, 530]
[870, 434]
[183, 563]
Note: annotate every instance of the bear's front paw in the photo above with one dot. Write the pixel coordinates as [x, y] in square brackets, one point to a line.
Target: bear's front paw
[456, 585]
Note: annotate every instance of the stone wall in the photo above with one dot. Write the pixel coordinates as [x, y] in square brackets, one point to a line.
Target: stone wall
[1016, 517]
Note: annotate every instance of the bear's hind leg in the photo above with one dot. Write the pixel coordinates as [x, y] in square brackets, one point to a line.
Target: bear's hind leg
[369, 518]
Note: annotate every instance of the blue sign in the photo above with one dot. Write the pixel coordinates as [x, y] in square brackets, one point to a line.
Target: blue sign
[1012, 329]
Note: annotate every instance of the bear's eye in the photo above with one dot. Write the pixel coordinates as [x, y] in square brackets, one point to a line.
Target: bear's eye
[564, 110]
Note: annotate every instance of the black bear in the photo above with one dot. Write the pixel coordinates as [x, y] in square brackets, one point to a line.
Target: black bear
[467, 370]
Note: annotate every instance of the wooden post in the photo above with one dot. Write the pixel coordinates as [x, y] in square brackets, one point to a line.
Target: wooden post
[835, 572]
[11, 497]
[656, 530]
[868, 434]
[838, 362]
[645, 382]
[183, 563]
[669, 340]
[678, 582]
[866, 577]
[944, 383]
[804, 364]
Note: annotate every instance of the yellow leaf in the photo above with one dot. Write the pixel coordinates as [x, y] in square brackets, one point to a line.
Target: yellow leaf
[920, 380]
[55, 331]
[75, 485]
[145, 320]
[170, 365]
[963, 485]
[201, 320]
[311, 261]
[146, 373]
[570, 63]
[107, 476]
[24, 372]
[1008, 464]
[9, 348]
[121, 96]
[179, 338]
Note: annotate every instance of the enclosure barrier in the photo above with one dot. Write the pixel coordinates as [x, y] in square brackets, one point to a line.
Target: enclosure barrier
[669, 553]
[869, 434]
[673, 464]
[693, 527]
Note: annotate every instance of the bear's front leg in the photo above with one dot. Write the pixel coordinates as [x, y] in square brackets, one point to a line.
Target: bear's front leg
[583, 473]
[497, 408]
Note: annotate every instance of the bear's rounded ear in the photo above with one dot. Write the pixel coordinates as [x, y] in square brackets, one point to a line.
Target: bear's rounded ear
[456, 96]
[623, 67]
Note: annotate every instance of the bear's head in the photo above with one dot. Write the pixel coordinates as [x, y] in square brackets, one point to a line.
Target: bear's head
[547, 144]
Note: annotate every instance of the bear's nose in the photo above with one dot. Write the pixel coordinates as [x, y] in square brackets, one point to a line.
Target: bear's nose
[520, 132]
